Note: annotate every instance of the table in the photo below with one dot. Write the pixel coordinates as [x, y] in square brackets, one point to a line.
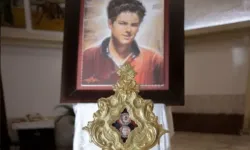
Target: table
[37, 135]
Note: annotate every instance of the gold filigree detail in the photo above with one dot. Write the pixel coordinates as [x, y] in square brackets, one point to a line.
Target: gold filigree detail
[147, 133]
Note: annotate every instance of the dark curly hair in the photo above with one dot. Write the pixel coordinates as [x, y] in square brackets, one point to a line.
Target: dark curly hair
[115, 7]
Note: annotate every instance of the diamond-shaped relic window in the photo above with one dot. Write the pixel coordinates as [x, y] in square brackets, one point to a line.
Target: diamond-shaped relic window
[124, 125]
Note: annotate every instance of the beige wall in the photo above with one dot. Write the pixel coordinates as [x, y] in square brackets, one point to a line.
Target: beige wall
[246, 126]
[31, 79]
[216, 65]
[216, 68]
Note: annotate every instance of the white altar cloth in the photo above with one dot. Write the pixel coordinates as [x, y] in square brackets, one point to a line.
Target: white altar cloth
[84, 114]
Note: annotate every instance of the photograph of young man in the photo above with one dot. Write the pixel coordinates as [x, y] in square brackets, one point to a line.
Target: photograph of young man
[100, 63]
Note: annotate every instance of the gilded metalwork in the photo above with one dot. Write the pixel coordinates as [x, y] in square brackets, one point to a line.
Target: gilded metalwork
[147, 133]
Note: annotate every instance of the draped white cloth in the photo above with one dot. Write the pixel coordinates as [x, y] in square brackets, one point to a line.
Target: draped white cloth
[84, 114]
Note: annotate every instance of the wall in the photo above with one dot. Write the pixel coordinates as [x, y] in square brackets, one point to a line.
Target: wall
[216, 65]
[216, 68]
[246, 126]
[31, 80]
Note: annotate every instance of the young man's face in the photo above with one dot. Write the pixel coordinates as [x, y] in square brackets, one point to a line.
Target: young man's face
[125, 27]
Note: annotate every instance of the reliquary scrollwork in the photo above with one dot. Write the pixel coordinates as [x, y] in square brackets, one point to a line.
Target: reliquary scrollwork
[125, 121]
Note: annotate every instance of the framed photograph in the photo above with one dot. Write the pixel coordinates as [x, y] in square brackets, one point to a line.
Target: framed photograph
[100, 36]
[47, 14]
[13, 14]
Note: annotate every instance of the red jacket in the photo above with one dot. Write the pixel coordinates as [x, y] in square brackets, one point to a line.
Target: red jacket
[99, 68]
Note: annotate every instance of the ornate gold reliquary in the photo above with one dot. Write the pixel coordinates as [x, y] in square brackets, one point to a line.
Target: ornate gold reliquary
[125, 121]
